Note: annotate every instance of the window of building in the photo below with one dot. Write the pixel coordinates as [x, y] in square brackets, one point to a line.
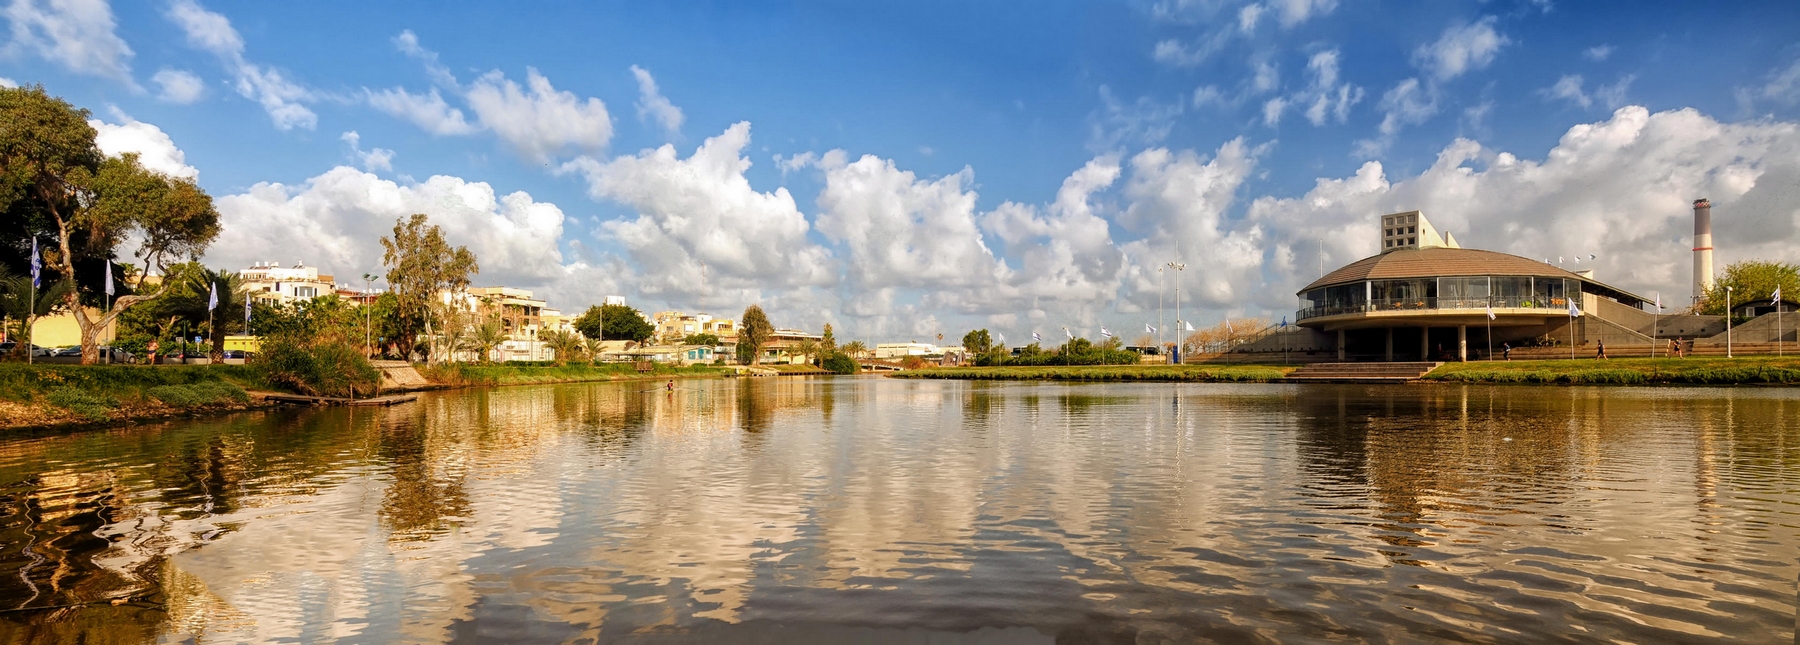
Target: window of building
[1410, 241]
[1412, 229]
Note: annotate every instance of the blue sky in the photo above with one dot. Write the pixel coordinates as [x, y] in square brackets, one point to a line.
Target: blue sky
[924, 167]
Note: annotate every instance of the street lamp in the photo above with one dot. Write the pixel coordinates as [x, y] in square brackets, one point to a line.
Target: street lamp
[368, 314]
[1178, 322]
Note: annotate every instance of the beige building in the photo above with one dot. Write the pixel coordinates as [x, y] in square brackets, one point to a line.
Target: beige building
[521, 317]
[673, 326]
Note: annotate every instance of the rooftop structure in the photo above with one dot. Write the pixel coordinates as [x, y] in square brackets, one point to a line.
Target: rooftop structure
[269, 282]
[1410, 230]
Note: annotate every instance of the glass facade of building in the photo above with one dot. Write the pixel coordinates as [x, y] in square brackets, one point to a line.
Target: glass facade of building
[1452, 292]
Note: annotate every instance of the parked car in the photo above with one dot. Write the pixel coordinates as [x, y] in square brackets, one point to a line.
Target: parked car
[236, 353]
[69, 351]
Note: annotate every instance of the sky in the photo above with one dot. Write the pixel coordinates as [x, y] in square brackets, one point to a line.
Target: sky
[901, 170]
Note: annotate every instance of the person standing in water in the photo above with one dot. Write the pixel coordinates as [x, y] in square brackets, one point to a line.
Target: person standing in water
[671, 385]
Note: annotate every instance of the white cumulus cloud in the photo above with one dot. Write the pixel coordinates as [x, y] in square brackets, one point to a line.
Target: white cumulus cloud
[281, 98]
[1461, 49]
[429, 111]
[701, 229]
[80, 35]
[336, 220]
[653, 105]
[154, 148]
[370, 160]
[178, 86]
[538, 120]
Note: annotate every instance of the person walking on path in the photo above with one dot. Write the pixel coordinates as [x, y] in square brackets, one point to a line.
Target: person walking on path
[1675, 347]
[1506, 350]
[1602, 354]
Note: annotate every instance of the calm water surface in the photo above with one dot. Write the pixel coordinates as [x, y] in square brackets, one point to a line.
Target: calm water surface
[876, 510]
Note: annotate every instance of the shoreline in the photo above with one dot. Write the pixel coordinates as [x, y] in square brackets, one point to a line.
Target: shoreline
[1777, 371]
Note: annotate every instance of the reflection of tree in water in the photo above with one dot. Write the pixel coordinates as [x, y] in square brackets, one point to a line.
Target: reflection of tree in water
[421, 501]
[979, 402]
[755, 407]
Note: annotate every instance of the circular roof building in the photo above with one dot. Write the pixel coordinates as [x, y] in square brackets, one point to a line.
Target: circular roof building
[1424, 281]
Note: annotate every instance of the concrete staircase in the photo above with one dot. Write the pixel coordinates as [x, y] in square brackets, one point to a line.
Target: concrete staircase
[399, 375]
[1360, 372]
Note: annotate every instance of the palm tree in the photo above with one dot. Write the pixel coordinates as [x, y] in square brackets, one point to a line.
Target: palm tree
[807, 348]
[566, 345]
[855, 349]
[227, 316]
[18, 310]
[594, 348]
[485, 338]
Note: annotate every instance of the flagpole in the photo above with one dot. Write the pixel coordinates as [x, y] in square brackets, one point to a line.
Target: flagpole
[1655, 323]
[1571, 329]
[1490, 325]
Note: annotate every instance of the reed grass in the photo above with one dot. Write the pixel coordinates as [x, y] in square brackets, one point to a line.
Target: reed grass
[1627, 371]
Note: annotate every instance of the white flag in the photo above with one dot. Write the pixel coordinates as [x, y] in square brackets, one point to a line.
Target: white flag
[1001, 338]
[1189, 325]
[1105, 333]
[1227, 325]
[109, 287]
[1490, 309]
[1035, 337]
[1068, 333]
[1659, 301]
[1148, 329]
[1776, 301]
[1573, 312]
[1559, 259]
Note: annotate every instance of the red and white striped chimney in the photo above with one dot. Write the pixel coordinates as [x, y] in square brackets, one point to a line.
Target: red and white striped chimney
[1703, 248]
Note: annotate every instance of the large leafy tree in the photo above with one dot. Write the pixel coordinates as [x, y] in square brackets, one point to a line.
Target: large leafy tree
[978, 342]
[421, 265]
[754, 331]
[614, 322]
[57, 187]
[1751, 281]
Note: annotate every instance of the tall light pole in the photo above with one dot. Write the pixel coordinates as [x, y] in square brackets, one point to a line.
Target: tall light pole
[1177, 266]
[368, 314]
[1160, 309]
[1728, 321]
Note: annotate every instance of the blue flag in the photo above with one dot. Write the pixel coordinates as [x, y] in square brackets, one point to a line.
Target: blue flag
[1284, 322]
[35, 264]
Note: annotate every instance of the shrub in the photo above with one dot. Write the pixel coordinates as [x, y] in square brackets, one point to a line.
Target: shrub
[322, 368]
[839, 364]
[91, 406]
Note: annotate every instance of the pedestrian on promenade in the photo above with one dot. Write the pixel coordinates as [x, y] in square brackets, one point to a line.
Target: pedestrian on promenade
[1675, 347]
[1506, 350]
[1602, 354]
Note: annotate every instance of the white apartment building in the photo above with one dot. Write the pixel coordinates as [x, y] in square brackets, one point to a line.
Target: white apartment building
[270, 282]
[903, 350]
[673, 326]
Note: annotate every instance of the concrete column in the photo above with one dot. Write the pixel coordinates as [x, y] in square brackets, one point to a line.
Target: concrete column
[1390, 344]
[1424, 343]
[1342, 342]
[1462, 343]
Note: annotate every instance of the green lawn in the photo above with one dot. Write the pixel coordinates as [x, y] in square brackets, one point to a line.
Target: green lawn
[50, 394]
[1702, 371]
[1199, 373]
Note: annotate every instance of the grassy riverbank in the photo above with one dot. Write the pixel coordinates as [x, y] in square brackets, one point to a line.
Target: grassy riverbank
[466, 374]
[1627, 371]
[52, 395]
[1196, 373]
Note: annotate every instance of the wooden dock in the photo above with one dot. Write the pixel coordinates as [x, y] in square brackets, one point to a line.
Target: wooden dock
[301, 399]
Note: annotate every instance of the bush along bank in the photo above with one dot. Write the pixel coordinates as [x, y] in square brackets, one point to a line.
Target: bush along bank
[487, 374]
[1187, 373]
[53, 395]
[1627, 371]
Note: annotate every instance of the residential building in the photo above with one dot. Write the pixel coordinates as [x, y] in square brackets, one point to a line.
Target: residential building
[888, 351]
[270, 282]
[674, 326]
[521, 318]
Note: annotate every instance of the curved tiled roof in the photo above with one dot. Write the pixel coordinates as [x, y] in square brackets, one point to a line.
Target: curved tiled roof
[1438, 262]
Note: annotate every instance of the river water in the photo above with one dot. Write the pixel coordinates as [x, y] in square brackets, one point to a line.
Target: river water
[889, 511]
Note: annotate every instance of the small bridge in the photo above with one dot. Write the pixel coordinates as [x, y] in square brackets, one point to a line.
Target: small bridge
[879, 366]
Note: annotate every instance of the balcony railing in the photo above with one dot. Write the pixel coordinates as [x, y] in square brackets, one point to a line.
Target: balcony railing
[1557, 303]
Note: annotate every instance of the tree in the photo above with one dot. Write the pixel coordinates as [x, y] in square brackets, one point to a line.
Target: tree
[55, 184]
[754, 331]
[420, 265]
[566, 344]
[18, 309]
[614, 322]
[193, 288]
[594, 348]
[855, 349]
[1752, 281]
[828, 341]
[808, 349]
[709, 340]
[484, 338]
[977, 342]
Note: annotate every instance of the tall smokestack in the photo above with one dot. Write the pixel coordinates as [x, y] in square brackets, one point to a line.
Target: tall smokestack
[1703, 248]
